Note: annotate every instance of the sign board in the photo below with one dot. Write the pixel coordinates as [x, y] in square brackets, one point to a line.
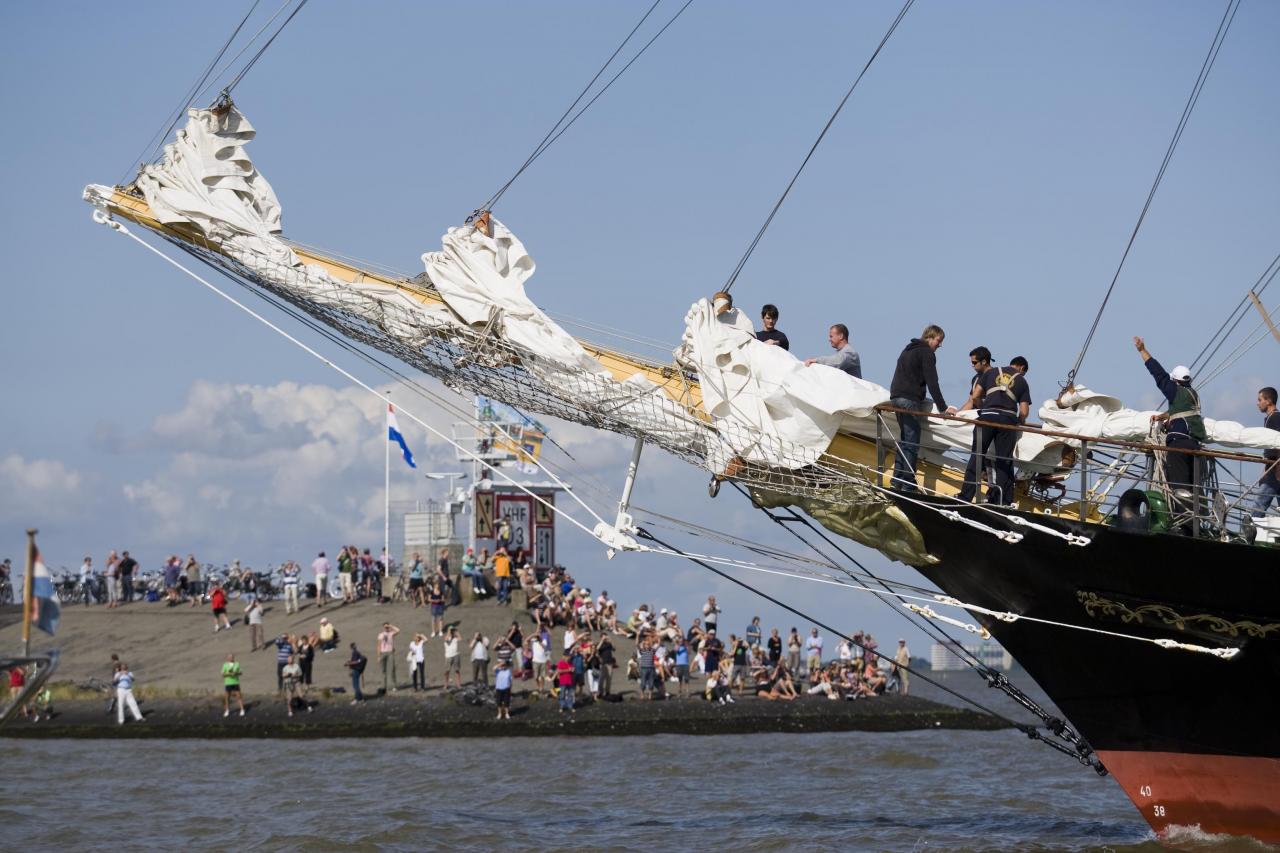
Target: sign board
[517, 510]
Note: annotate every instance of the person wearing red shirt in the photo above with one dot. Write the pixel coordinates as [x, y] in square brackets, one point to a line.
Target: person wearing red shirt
[218, 601]
[564, 678]
[17, 681]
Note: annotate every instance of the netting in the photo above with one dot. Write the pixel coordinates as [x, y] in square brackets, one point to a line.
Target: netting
[478, 361]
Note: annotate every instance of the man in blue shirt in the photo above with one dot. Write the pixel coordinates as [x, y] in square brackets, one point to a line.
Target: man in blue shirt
[502, 689]
[1184, 427]
[1269, 483]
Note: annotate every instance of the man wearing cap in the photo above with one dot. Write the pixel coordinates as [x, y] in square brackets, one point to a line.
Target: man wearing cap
[1184, 428]
[901, 660]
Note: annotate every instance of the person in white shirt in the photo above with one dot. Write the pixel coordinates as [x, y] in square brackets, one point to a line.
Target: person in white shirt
[123, 680]
[320, 565]
[845, 650]
[291, 573]
[480, 659]
[452, 658]
[570, 637]
[711, 613]
[86, 580]
[813, 649]
[418, 661]
[538, 652]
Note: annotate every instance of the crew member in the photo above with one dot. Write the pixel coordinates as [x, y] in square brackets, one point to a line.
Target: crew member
[917, 370]
[845, 357]
[980, 360]
[1269, 483]
[1001, 396]
[770, 334]
[1184, 428]
[1020, 364]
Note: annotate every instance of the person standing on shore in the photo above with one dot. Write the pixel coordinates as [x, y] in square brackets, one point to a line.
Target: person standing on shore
[291, 574]
[17, 682]
[356, 665]
[682, 666]
[127, 567]
[564, 678]
[793, 652]
[452, 657]
[479, 659]
[436, 600]
[123, 680]
[387, 656]
[813, 649]
[320, 566]
[292, 674]
[538, 652]
[231, 685]
[502, 687]
[306, 657]
[112, 571]
[253, 615]
[86, 580]
[218, 604]
[901, 661]
[775, 647]
[418, 661]
[711, 614]
[284, 651]
[608, 663]
[346, 570]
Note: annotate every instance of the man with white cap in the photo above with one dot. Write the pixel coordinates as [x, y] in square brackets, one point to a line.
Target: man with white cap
[901, 660]
[1184, 427]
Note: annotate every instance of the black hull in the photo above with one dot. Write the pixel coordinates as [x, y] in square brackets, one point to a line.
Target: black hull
[1145, 707]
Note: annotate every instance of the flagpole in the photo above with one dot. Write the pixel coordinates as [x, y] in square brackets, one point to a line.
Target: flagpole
[386, 491]
[28, 592]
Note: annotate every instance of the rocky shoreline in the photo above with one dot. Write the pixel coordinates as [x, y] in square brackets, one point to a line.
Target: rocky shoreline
[449, 715]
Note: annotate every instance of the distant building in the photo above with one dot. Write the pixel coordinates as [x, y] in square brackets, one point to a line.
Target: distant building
[951, 655]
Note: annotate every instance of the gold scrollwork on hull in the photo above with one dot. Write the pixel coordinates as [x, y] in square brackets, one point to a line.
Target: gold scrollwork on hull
[1097, 606]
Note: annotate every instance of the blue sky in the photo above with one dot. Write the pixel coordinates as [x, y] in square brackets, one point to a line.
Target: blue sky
[985, 176]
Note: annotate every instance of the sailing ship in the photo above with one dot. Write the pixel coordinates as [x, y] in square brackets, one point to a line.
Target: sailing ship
[1162, 675]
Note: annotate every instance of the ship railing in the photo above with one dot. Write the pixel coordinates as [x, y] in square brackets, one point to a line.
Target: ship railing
[1095, 474]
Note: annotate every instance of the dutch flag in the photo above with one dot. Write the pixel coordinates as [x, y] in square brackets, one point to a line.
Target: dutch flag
[45, 611]
[393, 434]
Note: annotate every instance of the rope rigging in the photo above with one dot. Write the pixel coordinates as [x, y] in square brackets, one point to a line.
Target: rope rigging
[1224, 25]
[156, 143]
[751, 247]
[557, 130]
[1078, 749]
[1202, 362]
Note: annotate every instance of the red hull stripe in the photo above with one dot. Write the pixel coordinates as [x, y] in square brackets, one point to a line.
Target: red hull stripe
[1220, 793]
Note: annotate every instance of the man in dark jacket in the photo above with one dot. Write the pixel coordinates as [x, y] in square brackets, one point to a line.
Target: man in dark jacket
[1269, 482]
[917, 370]
[1184, 428]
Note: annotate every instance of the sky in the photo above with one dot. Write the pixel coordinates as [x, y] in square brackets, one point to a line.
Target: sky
[985, 176]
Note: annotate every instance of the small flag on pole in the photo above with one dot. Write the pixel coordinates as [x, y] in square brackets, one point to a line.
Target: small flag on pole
[45, 610]
[393, 434]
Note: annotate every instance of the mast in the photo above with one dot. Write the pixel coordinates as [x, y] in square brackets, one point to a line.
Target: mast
[386, 490]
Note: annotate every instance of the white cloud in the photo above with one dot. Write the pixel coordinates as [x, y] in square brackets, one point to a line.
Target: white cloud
[32, 491]
[272, 464]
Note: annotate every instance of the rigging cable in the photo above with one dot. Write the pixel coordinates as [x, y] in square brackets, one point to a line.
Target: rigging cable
[192, 93]
[1241, 309]
[1079, 750]
[751, 247]
[993, 678]
[540, 147]
[235, 81]
[1224, 25]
